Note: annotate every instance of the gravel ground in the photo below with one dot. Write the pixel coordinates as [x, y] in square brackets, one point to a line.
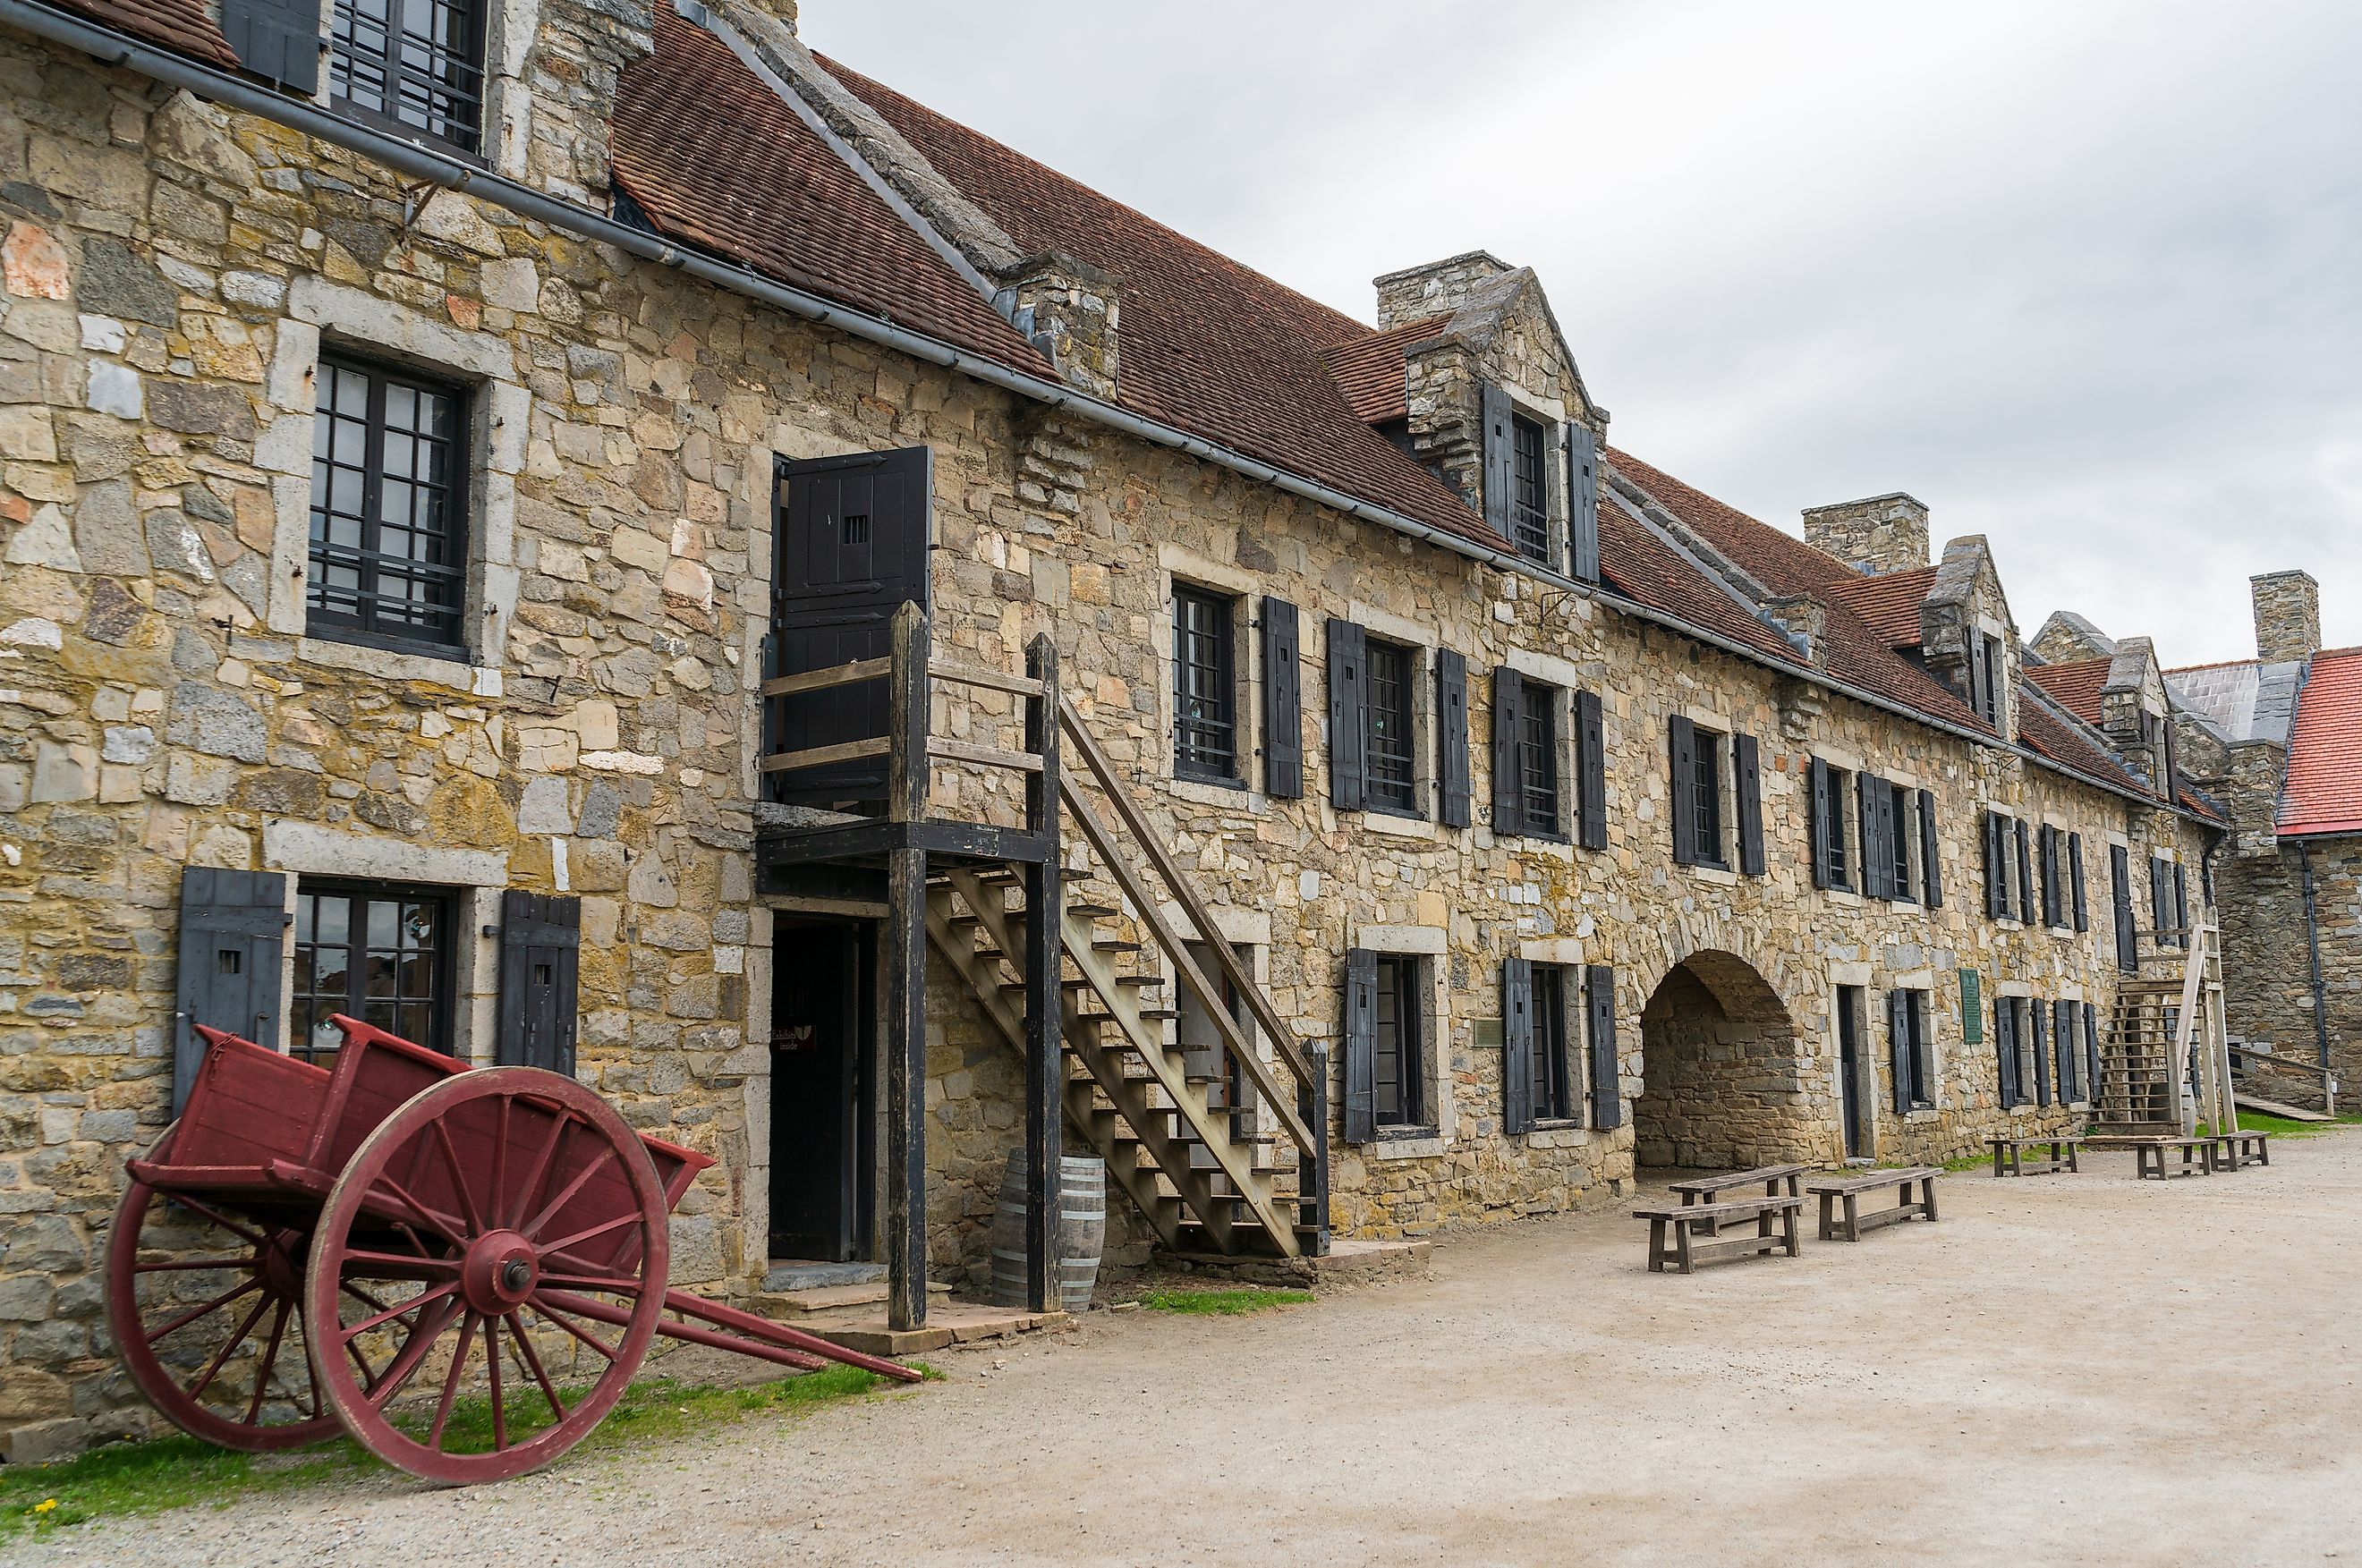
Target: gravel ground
[2074, 1367]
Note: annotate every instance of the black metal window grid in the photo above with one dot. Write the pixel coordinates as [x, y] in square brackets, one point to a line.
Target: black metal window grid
[374, 952]
[1553, 1094]
[412, 65]
[1529, 497]
[1392, 777]
[1537, 786]
[1205, 697]
[389, 507]
[1395, 1045]
[1705, 821]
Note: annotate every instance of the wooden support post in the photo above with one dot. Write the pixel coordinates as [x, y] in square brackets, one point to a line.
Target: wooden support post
[1312, 1185]
[1046, 1069]
[904, 961]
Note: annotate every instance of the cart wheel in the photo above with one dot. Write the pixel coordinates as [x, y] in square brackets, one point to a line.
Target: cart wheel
[206, 1310]
[494, 1212]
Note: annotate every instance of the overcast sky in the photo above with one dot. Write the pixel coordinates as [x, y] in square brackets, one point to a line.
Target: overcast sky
[2086, 277]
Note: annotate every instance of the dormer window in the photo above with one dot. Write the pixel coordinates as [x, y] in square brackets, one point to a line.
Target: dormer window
[415, 67]
[1530, 500]
[1987, 670]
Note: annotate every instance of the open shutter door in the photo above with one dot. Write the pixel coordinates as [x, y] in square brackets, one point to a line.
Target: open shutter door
[1931, 857]
[233, 949]
[2092, 1049]
[2120, 880]
[1360, 1046]
[1451, 735]
[1583, 503]
[541, 942]
[276, 39]
[1282, 702]
[1347, 700]
[1591, 772]
[1517, 1045]
[1500, 447]
[1747, 771]
[1508, 728]
[1819, 775]
[2005, 1048]
[1898, 1040]
[2037, 1021]
[1875, 859]
[1606, 1091]
[2181, 902]
[2075, 881]
[1681, 744]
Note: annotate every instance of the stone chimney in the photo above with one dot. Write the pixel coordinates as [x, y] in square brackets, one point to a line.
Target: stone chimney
[1072, 312]
[2287, 616]
[1875, 536]
[1437, 289]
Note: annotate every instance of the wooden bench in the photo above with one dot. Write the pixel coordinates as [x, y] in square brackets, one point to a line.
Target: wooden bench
[1695, 1219]
[2009, 1156]
[1849, 1190]
[1708, 1189]
[2197, 1158]
[2233, 1150]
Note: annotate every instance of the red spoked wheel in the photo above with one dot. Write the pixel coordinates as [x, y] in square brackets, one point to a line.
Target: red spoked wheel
[493, 1222]
[207, 1307]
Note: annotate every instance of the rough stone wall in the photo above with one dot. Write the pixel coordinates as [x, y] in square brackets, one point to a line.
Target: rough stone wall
[2287, 616]
[1880, 535]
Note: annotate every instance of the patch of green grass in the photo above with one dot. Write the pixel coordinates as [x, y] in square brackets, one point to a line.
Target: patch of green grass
[2282, 1127]
[1221, 1303]
[176, 1471]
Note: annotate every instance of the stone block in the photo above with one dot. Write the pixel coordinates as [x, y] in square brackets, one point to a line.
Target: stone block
[210, 720]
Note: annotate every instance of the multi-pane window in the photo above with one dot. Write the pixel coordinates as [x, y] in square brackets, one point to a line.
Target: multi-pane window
[1392, 779]
[1396, 1045]
[1840, 829]
[1537, 783]
[1529, 490]
[389, 507]
[1554, 1096]
[413, 65]
[1204, 700]
[1902, 827]
[376, 953]
[1705, 813]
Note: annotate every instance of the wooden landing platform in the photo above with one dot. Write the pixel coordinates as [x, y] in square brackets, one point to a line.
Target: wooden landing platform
[2263, 1107]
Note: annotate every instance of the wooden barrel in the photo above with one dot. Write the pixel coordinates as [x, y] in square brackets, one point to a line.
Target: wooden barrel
[1081, 1230]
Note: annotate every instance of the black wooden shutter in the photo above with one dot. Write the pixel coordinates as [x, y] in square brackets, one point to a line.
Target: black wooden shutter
[1282, 702]
[1996, 881]
[2005, 1047]
[2052, 910]
[233, 949]
[1508, 732]
[1606, 1093]
[1898, 1042]
[1821, 826]
[1930, 856]
[1591, 773]
[1746, 773]
[1500, 450]
[2024, 873]
[2069, 1044]
[1583, 503]
[1360, 1046]
[1979, 676]
[2120, 876]
[1892, 844]
[2091, 1047]
[541, 941]
[1682, 745]
[2181, 902]
[1517, 1045]
[276, 39]
[1348, 703]
[2035, 1021]
[1451, 735]
[2075, 881]
[1877, 860]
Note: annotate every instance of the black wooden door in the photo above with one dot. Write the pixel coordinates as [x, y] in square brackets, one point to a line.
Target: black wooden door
[851, 549]
[1849, 1067]
[541, 940]
[821, 1094]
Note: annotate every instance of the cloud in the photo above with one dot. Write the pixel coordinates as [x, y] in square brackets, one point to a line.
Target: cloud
[2081, 277]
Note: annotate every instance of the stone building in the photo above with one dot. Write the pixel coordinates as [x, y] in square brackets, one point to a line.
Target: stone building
[412, 474]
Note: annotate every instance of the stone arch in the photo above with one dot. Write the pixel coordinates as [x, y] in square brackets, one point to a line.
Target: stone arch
[1722, 1070]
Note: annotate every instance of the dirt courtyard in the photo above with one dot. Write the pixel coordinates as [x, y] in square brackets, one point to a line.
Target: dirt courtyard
[2070, 1368]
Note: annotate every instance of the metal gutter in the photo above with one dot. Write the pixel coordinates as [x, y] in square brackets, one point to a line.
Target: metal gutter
[453, 173]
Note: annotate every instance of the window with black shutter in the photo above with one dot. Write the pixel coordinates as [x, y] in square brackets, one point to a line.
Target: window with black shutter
[1497, 422]
[1706, 801]
[1528, 791]
[1987, 670]
[2037, 1035]
[1529, 491]
[1931, 874]
[1283, 702]
[232, 951]
[2025, 878]
[541, 938]
[2180, 904]
[1996, 857]
[1582, 503]
[2160, 889]
[1832, 855]
[1554, 1097]
[1599, 1032]
[1391, 776]
[1397, 1059]
[389, 545]
[1894, 828]
[2075, 881]
[1348, 698]
[1205, 688]
[415, 67]
[1911, 1054]
[382, 953]
[1359, 1120]
[2054, 888]
[2120, 881]
[1747, 787]
[2066, 1042]
[1591, 770]
[2005, 1050]
[1451, 738]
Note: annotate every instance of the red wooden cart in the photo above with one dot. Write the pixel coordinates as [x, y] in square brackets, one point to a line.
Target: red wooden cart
[305, 1241]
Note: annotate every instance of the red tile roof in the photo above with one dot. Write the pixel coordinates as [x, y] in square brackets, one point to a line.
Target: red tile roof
[715, 158]
[2049, 736]
[1370, 370]
[2074, 685]
[1890, 604]
[2324, 792]
[1208, 346]
[186, 27]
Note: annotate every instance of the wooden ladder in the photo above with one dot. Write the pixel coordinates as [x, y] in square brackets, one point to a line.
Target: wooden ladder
[2163, 1021]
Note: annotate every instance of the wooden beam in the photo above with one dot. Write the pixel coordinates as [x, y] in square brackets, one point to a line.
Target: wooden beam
[977, 675]
[904, 1047]
[834, 675]
[1045, 908]
[820, 756]
[986, 756]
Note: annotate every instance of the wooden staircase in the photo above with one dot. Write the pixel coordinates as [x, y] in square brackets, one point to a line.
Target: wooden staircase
[1222, 1149]
[2166, 1021]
